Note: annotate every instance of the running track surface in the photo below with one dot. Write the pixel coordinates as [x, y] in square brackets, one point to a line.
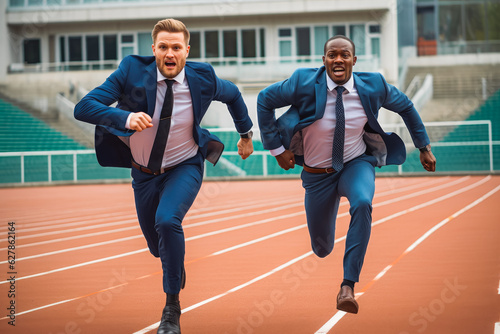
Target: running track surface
[433, 262]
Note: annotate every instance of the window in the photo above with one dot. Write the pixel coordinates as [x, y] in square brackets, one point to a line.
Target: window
[92, 47]
[320, 38]
[110, 47]
[229, 42]
[211, 44]
[303, 36]
[358, 36]
[285, 42]
[450, 23]
[31, 49]
[127, 45]
[195, 43]
[144, 42]
[75, 48]
[338, 30]
[249, 43]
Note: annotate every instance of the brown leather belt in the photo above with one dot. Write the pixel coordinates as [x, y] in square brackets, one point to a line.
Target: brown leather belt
[319, 170]
[149, 171]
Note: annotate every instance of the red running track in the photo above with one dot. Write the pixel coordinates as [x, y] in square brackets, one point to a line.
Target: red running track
[81, 263]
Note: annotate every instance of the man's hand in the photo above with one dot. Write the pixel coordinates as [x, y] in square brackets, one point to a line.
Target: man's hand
[428, 161]
[286, 160]
[140, 121]
[245, 147]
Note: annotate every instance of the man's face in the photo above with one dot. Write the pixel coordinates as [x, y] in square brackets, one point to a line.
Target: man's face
[339, 60]
[170, 50]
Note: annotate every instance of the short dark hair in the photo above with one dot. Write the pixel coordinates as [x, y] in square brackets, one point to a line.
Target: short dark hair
[343, 37]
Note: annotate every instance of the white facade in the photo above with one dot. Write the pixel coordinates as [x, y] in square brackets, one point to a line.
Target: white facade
[246, 40]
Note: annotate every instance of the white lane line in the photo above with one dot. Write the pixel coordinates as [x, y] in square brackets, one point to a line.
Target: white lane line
[75, 248]
[239, 287]
[213, 254]
[240, 226]
[80, 236]
[257, 223]
[339, 314]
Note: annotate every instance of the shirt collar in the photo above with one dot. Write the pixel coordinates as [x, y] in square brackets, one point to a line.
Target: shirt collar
[179, 77]
[349, 85]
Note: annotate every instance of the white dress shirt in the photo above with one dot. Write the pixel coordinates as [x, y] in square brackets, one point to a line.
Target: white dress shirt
[318, 137]
[180, 143]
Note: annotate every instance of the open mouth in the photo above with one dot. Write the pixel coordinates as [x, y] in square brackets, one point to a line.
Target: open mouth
[338, 71]
[170, 64]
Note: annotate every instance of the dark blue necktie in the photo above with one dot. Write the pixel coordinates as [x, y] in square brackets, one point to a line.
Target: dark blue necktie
[158, 150]
[339, 134]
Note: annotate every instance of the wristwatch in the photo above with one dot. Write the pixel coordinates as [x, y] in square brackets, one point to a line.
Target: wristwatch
[247, 135]
[426, 148]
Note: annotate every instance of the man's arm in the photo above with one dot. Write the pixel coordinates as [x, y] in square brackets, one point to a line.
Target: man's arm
[277, 95]
[94, 107]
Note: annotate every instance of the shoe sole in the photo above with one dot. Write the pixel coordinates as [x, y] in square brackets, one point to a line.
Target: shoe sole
[348, 306]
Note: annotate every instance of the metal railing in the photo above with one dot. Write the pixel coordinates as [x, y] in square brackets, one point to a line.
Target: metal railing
[455, 153]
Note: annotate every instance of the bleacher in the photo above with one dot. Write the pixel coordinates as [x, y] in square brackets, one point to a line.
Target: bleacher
[470, 151]
[21, 132]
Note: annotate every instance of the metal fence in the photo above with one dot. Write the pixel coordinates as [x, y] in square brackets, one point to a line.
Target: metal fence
[460, 147]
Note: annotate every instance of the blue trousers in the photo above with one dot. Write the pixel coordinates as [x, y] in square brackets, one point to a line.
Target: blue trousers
[356, 182]
[162, 202]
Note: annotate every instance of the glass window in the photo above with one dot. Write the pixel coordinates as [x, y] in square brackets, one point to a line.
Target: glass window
[374, 28]
[357, 32]
[338, 30]
[285, 48]
[16, 3]
[195, 43]
[320, 38]
[450, 23]
[303, 36]
[92, 44]
[144, 43]
[127, 38]
[110, 47]
[62, 48]
[249, 43]
[230, 45]
[75, 48]
[211, 44]
[127, 51]
[35, 2]
[285, 32]
[375, 41]
[31, 51]
[475, 22]
[262, 42]
[426, 27]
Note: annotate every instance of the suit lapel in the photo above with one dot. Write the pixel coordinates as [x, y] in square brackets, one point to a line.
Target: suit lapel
[150, 85]
[194, 88]
[320, 91]
[365, 101]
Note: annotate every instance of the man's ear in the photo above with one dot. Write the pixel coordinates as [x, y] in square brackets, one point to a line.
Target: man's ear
[354, 62]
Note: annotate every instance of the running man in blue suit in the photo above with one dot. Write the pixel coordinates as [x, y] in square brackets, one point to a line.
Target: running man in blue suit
[155, 130]
[331, 129]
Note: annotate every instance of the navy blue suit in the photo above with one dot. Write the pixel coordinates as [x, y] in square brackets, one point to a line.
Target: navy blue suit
[161, 201]
[306, 94]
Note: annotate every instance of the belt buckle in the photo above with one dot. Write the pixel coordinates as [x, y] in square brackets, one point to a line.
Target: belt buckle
[328, 172]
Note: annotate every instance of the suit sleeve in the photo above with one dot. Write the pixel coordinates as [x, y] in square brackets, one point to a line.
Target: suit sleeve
[95, 107]
[277, 95]
[398, 102]
[227, 92]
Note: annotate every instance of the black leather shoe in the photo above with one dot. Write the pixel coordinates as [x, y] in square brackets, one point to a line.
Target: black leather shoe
[170, 323]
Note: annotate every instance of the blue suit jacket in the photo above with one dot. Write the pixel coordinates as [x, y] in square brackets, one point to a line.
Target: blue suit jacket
[306, 91]
[133, 86]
